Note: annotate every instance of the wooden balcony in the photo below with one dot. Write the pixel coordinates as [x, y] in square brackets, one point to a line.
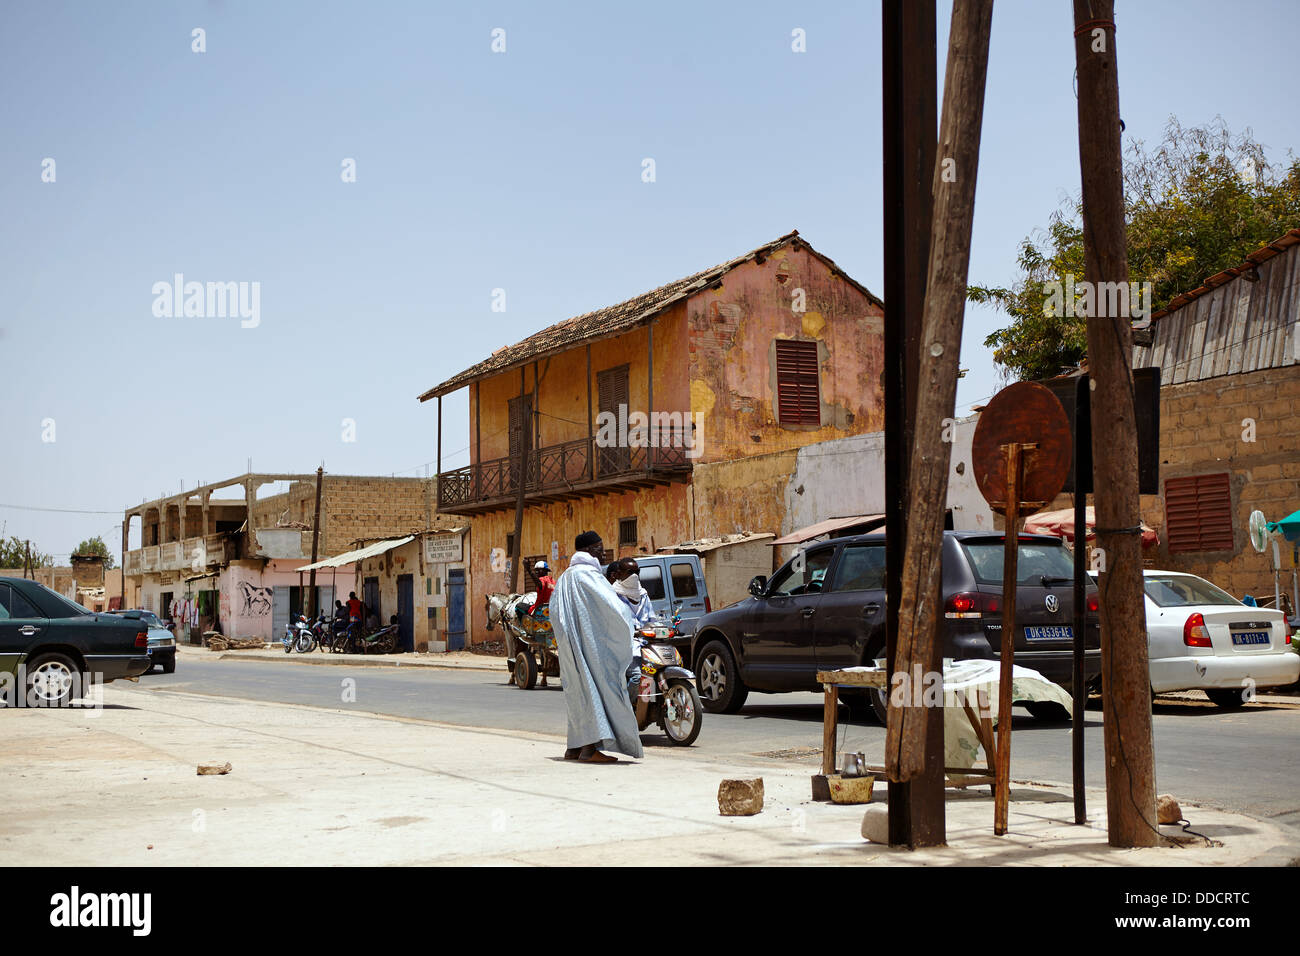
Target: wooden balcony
[574, 469]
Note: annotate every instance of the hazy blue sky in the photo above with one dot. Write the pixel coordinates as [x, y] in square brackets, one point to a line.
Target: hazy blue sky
[475, 170]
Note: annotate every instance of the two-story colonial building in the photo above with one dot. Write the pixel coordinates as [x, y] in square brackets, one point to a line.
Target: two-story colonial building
[669, 417]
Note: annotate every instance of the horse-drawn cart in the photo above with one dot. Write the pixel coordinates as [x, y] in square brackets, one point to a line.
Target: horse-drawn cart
[530, 643]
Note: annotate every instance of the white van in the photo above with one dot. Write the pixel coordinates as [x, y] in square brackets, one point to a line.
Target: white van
[675, 581]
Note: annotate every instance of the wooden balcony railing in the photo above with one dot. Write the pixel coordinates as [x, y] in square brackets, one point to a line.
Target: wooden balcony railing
[574, 466]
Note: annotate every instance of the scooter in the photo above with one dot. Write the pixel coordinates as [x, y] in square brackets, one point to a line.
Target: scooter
[666, 694]
[298, 636]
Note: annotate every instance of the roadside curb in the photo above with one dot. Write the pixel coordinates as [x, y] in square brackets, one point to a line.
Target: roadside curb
[490, 663]
[357, 662]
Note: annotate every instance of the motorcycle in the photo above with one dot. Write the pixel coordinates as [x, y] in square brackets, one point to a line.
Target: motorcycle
[666, 694]
[298, 636]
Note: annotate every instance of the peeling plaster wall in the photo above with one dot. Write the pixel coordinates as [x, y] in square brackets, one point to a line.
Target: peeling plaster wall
[747, 494]
[562, 386]
[733, 330]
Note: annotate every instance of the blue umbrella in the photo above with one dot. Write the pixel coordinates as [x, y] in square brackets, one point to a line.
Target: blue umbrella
[1289, 526]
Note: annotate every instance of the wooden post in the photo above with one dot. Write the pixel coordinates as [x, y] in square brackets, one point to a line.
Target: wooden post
[1010, 555]
[908, 133]
[591, 427]
[525, 426]
[27, 560]
[830, 719]
[1126, 687]
[650, 393]
[315, 545]
[126, 527]
[917, 733]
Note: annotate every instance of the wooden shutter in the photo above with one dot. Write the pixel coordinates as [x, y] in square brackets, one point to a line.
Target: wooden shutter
[521, 423]
[797, 394]
[612, 391]
[1198, 513]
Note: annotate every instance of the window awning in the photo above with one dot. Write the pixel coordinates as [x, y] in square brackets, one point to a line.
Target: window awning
[868, 522]
[348, 557]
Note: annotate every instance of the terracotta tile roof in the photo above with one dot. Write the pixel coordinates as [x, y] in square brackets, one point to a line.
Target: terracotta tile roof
[616, 319]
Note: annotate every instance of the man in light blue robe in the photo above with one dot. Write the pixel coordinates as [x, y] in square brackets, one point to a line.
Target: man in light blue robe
[593, 639]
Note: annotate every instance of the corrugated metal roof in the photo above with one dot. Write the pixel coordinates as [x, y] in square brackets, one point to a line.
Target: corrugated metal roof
[826, 527]
[705, 545]
[1232, 323]
[348, 557]
[616, 319]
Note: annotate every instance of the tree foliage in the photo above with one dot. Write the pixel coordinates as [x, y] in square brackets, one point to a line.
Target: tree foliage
[97, 546]
[13, 554]
[1196, 204]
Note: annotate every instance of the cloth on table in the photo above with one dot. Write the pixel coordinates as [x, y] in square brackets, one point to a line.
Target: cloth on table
[963, 682]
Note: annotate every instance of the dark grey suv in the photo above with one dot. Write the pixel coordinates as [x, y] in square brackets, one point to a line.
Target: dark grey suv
[824, 609]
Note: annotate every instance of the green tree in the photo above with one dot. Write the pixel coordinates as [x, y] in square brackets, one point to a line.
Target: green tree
[13, 553]
[1196, 204]
[97, 546]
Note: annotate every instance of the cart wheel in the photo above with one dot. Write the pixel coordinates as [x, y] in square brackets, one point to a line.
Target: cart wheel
[525, 670]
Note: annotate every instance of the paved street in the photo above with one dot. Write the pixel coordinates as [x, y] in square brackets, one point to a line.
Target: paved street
[1242, 761]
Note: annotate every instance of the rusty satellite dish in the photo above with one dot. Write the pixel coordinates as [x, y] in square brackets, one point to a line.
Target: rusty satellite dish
[1027, 414]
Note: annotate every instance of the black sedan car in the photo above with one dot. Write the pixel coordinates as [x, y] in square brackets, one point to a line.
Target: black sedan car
[50, 644]
[824, 609]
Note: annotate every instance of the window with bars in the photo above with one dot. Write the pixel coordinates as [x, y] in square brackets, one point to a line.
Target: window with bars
[627, 533]
[798, 397]
[1198, 513]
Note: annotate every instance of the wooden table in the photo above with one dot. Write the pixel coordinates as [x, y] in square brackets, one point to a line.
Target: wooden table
[832, 681]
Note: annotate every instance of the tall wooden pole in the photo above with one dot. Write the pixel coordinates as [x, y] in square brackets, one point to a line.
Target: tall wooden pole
[27, 560]
[909, 114]
[1126, 682]
[910, 750]
[1006, 657]
[525, 434]
[315, 545]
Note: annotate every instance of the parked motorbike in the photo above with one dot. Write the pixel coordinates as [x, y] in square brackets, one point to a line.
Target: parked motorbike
[298, 636]
[667, 694]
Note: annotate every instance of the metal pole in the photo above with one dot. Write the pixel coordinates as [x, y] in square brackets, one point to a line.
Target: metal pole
[1082, 485]
[1011, 553]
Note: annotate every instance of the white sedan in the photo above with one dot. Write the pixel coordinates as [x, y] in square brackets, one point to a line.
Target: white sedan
[1202, 638]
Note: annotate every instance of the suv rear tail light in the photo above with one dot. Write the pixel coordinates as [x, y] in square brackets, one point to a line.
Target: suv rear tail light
[971, 604]
[1288, 631]
[708, 605]
[1094, 602]
[142, 639]
[1195, 633]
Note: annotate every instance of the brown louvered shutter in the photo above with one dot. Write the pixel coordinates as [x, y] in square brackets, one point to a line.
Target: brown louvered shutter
[797, 394]
[1198, 513]
[611, 392]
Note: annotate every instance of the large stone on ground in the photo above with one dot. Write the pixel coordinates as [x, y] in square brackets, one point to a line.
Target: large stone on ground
[1167, 809]
[740, 798]
[213, 768]
[875, 824]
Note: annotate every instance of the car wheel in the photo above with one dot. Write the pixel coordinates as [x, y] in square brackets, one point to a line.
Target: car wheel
[1048, 711]
[1226, 697]
[721, 689]
[169, 666]
[50, 679]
